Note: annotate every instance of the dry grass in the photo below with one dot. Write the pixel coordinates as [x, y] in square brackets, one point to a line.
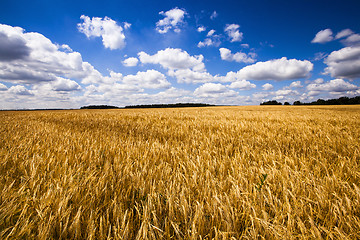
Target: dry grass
[181, 173]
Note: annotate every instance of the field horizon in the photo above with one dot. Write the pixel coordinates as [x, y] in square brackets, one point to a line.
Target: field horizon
[233, 172]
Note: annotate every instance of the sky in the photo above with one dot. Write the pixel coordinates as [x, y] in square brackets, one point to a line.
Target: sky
[68, 54]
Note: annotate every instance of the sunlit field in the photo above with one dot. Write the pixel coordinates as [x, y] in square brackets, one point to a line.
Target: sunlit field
[257, 172]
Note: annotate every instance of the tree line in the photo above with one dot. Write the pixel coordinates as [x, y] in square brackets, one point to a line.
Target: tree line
[337, 101]
[177, 105]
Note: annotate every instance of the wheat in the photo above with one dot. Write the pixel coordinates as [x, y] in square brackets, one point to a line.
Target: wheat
[197, 173]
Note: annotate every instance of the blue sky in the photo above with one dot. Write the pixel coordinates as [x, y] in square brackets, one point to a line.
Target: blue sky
[67, 54]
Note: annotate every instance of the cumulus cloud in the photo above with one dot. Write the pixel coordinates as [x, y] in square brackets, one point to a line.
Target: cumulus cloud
[277, 69]
[44, 60]
[173, 19]
[232, 30]
[296, 84]
[173, 59]
[210, 33]
[242, 85]
[352, 40]
[130, 62]
[237, 57]
[213, 41]
[3, 87]
[189, 76]
[201, 29]
[62, 84]
[344, 63]
[19, 90]
[149, 79]
[112, 34]
[12, 47]
[267, 87]
[344, 33]
[336, 85]
[214, 90]
[323, 36]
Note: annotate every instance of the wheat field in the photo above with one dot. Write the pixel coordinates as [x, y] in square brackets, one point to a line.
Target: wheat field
[256, 172]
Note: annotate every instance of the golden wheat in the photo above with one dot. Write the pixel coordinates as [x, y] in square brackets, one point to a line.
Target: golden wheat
[190, 173]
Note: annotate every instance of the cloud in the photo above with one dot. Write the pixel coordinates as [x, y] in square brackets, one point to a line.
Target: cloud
[237, 57]
[149, 79]
[214, 15]
[210, 33]
[344, 63]
[173, 59]
[189, 76]
[344, 33]
[130, 62]
[201, 29]
[112, 34]
[44, 60]
[214, 90]
[277, 69]
[62, 84]
[214, 41]
[352, 40]
[336, 85]
[267, 87]
[12, 47]
[3, 87]
[323, 36]
[242, 85]
[173, 19]
[19, 90]
[232, 30]
[296, 84]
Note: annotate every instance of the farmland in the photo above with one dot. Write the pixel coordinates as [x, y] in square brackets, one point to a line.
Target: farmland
[253, 172]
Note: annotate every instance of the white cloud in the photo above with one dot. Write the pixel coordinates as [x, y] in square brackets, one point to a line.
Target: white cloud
[344, 63]
[353, 39]
[267, 87]
[237, 57]
[44, 62]
[19, 90]
[201, 29]
[214, 90]
[130, 62]
[149, 79]
[323, 36]
[277, 69]
[189, 76]
[210, 33]
[296, 84]
[211, 88]
[112, 34]
[232, 30]
[3, 87]
[173, 59]
[319, 80]
[63, 84]
[213, 15]
[344, 33]
[336, 85]
[173, 19]
[214, 41]
[242, 85]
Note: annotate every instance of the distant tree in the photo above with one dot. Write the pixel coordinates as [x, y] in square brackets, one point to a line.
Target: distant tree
[99, 107]
[338, 101]
[286, 103]
[273, 102]
[177, 105]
